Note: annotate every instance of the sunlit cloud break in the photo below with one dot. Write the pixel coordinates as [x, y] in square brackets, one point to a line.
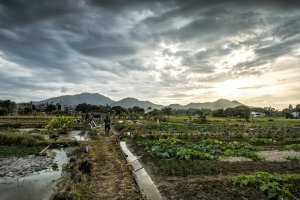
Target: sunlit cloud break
[163, 51]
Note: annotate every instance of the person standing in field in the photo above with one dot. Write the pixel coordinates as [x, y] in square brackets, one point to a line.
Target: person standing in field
[107, 125]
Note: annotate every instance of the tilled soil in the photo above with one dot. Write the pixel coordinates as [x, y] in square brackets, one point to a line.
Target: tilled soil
[111, 177]
[210, 190]
[211, 180]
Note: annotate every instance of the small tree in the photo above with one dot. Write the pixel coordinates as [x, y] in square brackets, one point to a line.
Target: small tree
[167, 111]
[50, 108]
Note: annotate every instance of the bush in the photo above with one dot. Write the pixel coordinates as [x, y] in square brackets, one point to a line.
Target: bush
[61, 123]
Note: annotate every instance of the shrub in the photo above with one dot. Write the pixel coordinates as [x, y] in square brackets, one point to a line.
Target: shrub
[62, 124]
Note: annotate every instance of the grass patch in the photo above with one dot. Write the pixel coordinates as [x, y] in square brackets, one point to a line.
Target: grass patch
[9, 138]
[295, 147]
[19, 151]
[262, 141]
[294, 158]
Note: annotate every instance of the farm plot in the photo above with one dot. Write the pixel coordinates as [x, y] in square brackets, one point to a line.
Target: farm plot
[218, 160]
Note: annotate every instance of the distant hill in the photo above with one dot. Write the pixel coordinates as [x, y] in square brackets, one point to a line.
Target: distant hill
[131, 102]
[219, 104]
[89, 98]
[98, 99]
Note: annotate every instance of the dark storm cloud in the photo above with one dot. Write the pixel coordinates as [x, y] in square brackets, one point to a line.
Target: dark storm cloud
[22, 13]
[81, 41]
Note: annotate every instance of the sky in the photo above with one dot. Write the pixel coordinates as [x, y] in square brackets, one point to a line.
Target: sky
[169, 51]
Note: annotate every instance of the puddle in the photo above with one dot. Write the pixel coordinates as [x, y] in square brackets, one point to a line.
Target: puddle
[77, 135]
[39, 185]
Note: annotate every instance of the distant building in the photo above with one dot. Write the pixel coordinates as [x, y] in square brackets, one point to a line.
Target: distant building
[148, 110]
[67, 109]
[296, 114]
[257, 114]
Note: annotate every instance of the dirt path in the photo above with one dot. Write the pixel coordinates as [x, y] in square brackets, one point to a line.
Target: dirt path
[111, 177]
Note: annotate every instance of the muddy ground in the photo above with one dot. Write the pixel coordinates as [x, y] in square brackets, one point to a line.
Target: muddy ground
[21, 166]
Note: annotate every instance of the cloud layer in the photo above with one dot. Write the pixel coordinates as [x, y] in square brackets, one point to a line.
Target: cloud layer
[163, 51]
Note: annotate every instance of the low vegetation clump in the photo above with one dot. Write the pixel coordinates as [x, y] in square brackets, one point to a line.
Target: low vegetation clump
[241, 149]
[207, 149]
[61, 124]
[292, 140]
[19, 151]
[295, 147]
[294, 158]
[272, 185]
[13, 144]
[262, 141]
[170, 127]
[10, 138]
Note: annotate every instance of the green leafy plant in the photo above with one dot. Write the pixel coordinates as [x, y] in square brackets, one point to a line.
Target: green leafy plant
[189, 154]
[241, 149]
[262, 141]
[295, 147]
[293, 158]
[270, 184]
[61, 123]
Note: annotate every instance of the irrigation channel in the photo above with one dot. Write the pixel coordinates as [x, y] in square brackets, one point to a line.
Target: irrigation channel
[36, 184]
[37, 177]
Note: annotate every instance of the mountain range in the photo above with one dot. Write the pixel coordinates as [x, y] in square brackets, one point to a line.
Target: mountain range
[98, 99]
[219, 104]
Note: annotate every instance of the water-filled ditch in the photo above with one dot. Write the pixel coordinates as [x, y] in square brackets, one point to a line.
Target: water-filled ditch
[22, 178]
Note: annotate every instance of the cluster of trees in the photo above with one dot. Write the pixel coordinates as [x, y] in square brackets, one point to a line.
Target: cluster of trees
[85, 108]
[7, 107]
[287, 112]
[239, 111]
[116, 110]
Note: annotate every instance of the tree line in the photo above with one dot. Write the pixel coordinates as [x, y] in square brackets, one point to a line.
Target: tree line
[8, 107]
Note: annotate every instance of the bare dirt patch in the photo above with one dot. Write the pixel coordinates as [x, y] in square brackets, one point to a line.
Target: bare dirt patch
[111, 177]
[276, 155]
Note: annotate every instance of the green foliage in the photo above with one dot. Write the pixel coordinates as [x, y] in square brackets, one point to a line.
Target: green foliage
[19, 151]
[7, 107]
[292, 140]
[205, 150]
[9, 138]
[241, 149]
[295, 147]
[190, 154]
[211, 142]
[170, 127]
[267, 183]
[171, 141]
[119, 126]
[294, 158]
[60, 123]
[262, 141]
